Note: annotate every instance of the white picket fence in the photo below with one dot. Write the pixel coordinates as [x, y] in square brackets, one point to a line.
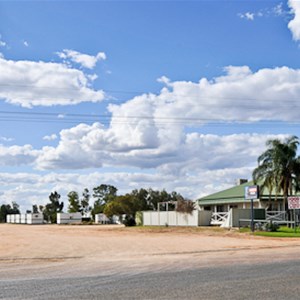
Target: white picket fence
[219, 218]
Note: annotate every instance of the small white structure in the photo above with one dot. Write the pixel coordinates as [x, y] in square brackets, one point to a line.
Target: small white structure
[23, 218]
[8, 218]
[173, 218]
[34, 218]
[69, 218]
[102, 219]
[18, 219]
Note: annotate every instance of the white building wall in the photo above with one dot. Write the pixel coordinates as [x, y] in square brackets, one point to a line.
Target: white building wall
[8, 218]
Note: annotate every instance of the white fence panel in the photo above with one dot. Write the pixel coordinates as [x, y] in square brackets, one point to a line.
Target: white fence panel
[163, 218]
[172, 218]
[155, 218]
[147, 218]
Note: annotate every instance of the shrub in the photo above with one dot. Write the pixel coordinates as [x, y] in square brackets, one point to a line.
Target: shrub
[129, 221]
[270, 227]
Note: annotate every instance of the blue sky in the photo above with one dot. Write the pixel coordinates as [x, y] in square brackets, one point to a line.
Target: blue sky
[175, 95]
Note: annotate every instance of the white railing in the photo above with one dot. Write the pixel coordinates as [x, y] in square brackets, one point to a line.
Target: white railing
[218, 218]
[276, 215]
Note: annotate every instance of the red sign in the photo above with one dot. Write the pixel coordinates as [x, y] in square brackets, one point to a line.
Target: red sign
[294, 202]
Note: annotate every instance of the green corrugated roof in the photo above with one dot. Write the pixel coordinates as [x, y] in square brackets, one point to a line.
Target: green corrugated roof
[235, 194]
[231, 193]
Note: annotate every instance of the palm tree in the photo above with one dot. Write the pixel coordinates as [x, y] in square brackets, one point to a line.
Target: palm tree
[279, 168]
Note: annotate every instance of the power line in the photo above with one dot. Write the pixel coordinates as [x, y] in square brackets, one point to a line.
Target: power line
[72, 118]
[282, 102]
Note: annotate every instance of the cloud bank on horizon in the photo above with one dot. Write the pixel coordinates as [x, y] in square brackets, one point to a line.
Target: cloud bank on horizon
[152, 139]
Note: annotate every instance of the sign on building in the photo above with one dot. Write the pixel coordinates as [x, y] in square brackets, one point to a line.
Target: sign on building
[251, 192]
[294, 202]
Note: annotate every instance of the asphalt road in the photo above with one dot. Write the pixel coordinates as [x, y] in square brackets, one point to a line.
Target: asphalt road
[263, 281]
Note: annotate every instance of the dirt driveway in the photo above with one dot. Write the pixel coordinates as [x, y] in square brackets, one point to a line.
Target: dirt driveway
[36, 251]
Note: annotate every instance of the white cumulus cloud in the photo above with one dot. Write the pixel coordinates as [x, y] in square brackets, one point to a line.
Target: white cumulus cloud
[85, 60]
[2, 43]
[294, 24]
[17, 155]
[30, 83]
[247, 15]
[51, 137]
[149, 131]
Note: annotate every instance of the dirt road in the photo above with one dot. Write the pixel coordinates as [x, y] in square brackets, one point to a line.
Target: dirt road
[53, 251]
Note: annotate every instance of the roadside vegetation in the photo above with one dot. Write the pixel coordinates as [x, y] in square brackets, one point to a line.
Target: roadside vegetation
[281, 232]
[105, 199]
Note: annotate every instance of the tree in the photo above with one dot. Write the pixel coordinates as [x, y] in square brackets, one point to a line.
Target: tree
[35, 209]
[279, 168]
[7, 209]
[123, 205]
[85, 201]
[52, 208]
[141, 197]
[74, 203]
[104, 194]
[185, 206]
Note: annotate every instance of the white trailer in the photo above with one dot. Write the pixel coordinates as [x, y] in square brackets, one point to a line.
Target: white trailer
[34, 218]
[69, 218]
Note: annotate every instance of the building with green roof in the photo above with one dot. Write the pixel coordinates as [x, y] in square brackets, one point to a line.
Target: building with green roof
[234, 197]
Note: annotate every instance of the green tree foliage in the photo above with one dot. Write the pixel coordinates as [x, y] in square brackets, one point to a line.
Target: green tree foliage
[103, 194]
[74, 203]
[126, 204]
[52, 208]
[279, 168]
[7, 209]
[85, 201]
[35, 209]
[141, 198]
